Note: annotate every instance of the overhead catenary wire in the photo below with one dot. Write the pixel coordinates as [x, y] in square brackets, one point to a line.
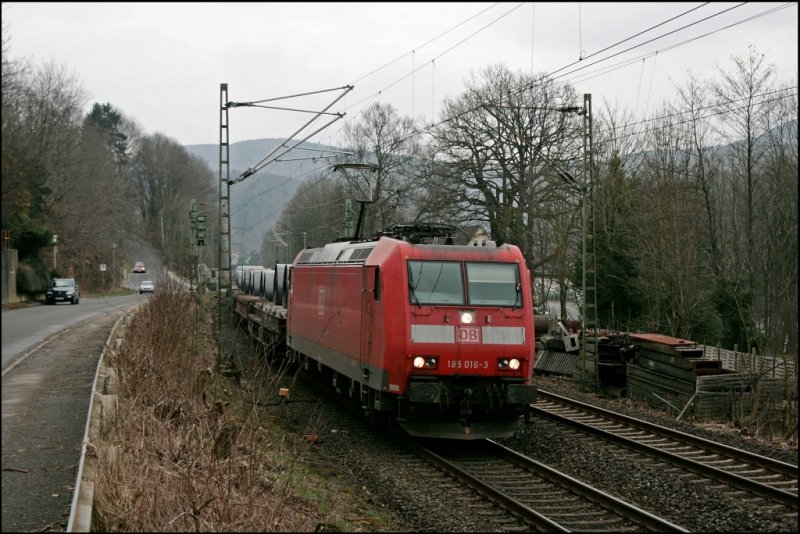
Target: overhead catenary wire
[670, 47]
[470, 36]
[380, 92]
[586, 66]
[709, 115]
[528, 86]
[551, 74]
[266, 159]
[624, 63]
[633, 36]
[273, 99]
[424, 44]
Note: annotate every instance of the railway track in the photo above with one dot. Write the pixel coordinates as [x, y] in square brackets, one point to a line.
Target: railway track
[542, 497]
[498, 489]
[406, 474]
[740, 470]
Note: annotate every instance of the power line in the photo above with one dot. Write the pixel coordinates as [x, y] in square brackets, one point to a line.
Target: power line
[546, 77]
[550, 75]
[625, 63]
[526, 87]
[424, 44]
[323, 175]
[633, 37]
[584, 66]
[717, 113]
[379, 93]
[438, 56]
[269, 158]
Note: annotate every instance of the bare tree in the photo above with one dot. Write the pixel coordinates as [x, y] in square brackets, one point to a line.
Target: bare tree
[52, 113]
[41, 133]
[507, 156]
[23, 175]
[314, 216]
[777, 229]
[167, 178]
[390, 142]
[669, 258]
[745, 124]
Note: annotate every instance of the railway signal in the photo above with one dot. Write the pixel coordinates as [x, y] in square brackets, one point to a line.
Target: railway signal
[200, 231]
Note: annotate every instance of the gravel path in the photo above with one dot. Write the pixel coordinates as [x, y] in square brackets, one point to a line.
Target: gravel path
[45, 403]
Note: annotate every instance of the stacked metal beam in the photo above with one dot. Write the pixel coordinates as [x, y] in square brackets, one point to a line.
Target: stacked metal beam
[665, 371]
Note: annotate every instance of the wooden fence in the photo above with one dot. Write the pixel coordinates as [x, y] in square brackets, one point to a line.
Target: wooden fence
[766, 366]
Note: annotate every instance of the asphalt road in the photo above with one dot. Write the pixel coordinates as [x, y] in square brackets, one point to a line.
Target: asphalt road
[25, 328]
[141, 252]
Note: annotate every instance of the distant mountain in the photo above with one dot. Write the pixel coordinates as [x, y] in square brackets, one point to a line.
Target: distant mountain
[244, 154]
[257, 201]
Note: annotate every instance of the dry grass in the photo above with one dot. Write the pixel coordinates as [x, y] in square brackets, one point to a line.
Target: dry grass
[196, 452]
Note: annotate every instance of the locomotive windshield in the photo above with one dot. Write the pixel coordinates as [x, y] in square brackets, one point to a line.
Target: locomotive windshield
[435, 282]
[494, 284]
[440, 282]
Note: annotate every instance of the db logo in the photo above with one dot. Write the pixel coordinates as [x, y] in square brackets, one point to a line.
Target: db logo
[469, 334]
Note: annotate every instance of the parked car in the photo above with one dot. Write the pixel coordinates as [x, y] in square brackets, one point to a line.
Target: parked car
[63, 289]
[139, 267]
[147, 286]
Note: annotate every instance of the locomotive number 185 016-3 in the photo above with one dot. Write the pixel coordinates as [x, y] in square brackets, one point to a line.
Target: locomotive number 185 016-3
[467, 364]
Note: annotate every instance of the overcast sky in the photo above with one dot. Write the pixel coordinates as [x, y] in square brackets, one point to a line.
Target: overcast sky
[161, 64]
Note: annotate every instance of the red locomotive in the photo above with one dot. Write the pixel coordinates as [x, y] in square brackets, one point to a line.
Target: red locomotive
[436, 335]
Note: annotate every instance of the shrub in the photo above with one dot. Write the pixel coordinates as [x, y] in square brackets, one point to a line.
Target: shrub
[31, 280]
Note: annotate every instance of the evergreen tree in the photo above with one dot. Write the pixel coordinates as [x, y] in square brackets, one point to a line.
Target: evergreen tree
[108, 119]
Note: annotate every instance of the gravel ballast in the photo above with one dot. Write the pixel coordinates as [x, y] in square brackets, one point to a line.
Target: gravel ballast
[372, 463]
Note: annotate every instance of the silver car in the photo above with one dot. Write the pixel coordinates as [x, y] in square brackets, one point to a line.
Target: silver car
[147, 286]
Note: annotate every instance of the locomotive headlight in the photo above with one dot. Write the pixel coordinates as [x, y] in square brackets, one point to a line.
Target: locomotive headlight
[467, 317]
[508, 363]
[425, 362]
